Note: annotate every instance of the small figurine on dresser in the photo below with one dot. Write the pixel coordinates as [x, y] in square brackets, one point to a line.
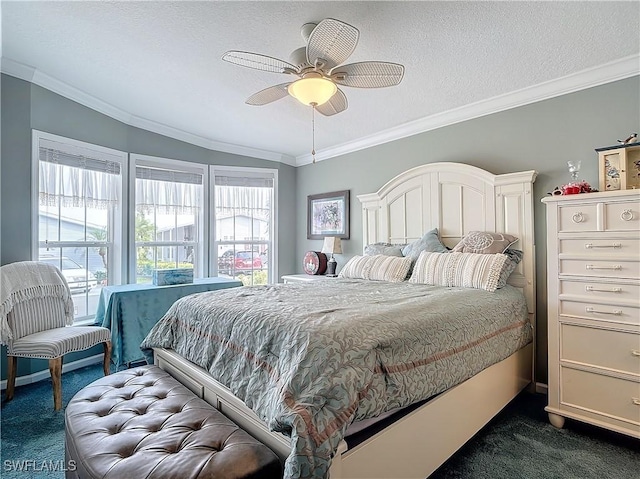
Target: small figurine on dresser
[630, 139]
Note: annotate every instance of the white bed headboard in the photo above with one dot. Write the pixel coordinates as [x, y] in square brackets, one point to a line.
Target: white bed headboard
[456, 198]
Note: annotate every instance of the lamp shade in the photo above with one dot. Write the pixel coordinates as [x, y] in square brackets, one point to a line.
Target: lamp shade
[332, 245]
[312, 90]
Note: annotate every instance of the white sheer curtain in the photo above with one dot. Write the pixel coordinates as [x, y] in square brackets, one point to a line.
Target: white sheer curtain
[248, 196]
[167, 191]
[72, 180]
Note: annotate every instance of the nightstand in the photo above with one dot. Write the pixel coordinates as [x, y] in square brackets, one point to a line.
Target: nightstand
[301, 278]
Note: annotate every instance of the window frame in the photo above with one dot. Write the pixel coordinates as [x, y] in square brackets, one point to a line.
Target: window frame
[117, 257]
[202, 255]
[273, 246]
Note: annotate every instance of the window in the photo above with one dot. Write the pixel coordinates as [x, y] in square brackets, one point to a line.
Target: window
[79, 216]
[84, 215]
[244, 228]
[169, 216]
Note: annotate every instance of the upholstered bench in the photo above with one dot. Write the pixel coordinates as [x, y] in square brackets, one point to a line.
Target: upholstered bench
[142, 423]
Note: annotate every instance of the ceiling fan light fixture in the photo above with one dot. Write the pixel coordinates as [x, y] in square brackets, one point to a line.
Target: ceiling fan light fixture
[312, 90]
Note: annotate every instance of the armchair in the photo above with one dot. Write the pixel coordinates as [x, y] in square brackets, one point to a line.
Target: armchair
[36, 317]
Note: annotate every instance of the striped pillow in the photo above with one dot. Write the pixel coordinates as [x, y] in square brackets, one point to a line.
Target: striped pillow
[467, 270]
[355, 267]
[378, 268]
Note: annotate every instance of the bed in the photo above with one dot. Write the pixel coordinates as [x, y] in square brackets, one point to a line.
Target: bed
[457, 199]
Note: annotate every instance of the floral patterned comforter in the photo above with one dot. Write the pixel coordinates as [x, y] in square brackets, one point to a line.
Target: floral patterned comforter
[310, 358]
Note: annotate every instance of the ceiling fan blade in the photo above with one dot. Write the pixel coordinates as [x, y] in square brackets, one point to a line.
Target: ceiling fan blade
[336, 104]
[331, 43]
[268, 95]
[368, 74]
[259, 62]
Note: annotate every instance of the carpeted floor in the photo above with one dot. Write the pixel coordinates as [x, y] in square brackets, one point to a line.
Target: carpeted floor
[518, 443]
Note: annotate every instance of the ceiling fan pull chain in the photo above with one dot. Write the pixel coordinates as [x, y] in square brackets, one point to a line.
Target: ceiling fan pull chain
[313, 132]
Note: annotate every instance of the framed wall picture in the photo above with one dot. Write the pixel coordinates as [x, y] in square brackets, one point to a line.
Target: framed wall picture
[328, 215]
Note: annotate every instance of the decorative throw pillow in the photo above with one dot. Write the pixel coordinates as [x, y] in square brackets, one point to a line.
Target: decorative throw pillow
[387, 249]
[467, 270]
[378, 268]
[514, 258]
[429, 242]
[509, 267]
[355, 268]
[484, 242]
[389, 268]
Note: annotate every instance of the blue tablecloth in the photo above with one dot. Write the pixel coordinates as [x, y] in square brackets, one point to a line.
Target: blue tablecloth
[131, 310]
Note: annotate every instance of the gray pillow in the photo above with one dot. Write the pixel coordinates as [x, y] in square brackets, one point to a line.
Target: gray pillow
[386, 249]
[429, 242]
[514, 257]
[484, 242]
[514, 254]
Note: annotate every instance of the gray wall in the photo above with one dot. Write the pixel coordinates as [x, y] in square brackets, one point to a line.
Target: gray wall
[26, 106]
[540, 136]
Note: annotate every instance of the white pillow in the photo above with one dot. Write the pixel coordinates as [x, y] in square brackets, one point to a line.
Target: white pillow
[467, 270]
[378, 267]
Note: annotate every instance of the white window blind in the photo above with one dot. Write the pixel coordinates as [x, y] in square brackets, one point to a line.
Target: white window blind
[245, 192]
[75, 180]
[167, 190]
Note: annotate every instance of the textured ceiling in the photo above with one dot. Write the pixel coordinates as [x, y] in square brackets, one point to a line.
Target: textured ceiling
[161, 61]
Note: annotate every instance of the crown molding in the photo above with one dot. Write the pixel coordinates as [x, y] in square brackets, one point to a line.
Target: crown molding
[606, 73]
[32, 75]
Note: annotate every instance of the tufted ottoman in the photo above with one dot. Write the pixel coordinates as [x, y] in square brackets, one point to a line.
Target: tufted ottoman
[142, 423]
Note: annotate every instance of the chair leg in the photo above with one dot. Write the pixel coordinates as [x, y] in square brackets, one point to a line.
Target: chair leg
[107, 357]
[55, 368]
[11, 377]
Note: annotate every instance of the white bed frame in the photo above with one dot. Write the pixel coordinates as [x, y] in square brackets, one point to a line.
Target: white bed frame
[455, 198]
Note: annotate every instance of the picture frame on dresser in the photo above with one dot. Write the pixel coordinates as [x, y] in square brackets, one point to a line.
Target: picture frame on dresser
[328, 215]
[619, 167]
[593, 297]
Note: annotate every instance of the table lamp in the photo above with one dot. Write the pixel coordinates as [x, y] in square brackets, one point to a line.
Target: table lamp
[332, 245]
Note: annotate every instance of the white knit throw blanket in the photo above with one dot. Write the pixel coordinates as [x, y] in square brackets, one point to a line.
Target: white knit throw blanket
[27, 280]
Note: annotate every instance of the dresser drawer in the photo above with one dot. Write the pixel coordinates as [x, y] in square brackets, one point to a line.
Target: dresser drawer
[578, 217]
[602, 312]
[623, 216]
[612, 397]
[611, 268]
[608, 292]
[601, 348]
[599, 247]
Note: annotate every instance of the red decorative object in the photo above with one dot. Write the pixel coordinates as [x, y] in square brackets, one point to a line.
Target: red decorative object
[314, 262]
[570, 189]
[573, 188]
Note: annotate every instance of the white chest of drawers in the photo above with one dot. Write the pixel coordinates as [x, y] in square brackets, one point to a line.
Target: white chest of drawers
[593, 277]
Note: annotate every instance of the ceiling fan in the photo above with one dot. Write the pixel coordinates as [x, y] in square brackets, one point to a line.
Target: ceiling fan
[319, 68]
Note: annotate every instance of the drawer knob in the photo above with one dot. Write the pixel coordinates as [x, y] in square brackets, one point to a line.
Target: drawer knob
[635, 352]
[591, 245]
[615, 312]
[627, 215]
[636, 401]
[577, 217]
[603, 290]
